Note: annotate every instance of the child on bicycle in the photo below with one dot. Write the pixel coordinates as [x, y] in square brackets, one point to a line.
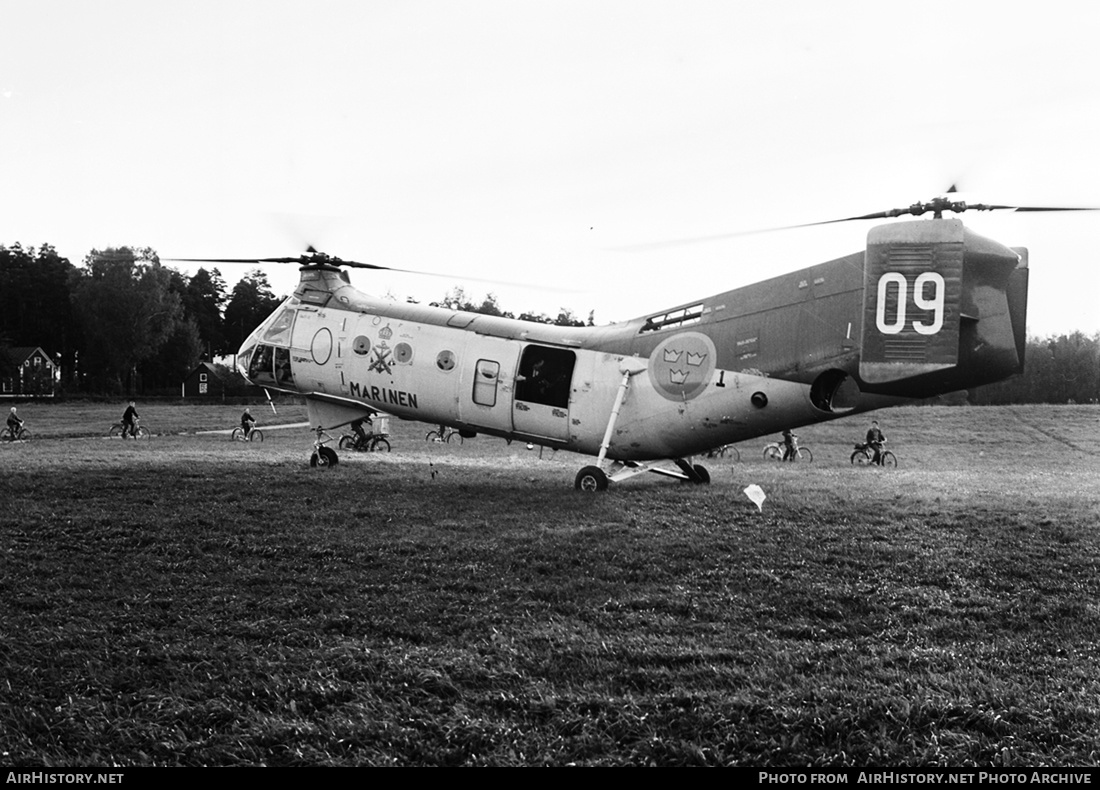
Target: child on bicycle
[790, 445]
[129, 421]
[875, 440]
[248, 422]
[15, 424]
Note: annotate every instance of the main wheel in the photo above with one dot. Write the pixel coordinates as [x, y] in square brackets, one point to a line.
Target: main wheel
[889, 459]
[325, 456]
[702, 474]
[256, 436]
[380, 445]
[804, 454]
[591, 478]
[773, 453]
[861, 458]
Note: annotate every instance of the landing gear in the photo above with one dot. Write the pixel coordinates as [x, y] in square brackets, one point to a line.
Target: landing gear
[693, 474]
[591, 478]
[324, 456]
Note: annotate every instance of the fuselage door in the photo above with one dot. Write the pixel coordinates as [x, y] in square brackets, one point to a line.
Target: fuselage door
[543, 387]
[485, 390]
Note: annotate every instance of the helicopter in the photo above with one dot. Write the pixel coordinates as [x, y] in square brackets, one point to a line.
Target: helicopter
[928, 307]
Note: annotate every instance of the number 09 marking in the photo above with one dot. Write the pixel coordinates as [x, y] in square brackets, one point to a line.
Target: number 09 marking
[920, 302]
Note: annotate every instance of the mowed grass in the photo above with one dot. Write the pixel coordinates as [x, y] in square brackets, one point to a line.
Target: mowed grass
[188, 600]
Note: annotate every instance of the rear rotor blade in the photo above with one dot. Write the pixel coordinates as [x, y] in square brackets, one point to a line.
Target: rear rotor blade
[936, 206]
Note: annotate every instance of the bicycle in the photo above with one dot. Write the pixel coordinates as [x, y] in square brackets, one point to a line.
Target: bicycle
[255, 435]
[446, 435]
[864, 456]
[371, 443]
[725, 450]
[775, 450]
[140, 431]
[20, 434]
[322, 455]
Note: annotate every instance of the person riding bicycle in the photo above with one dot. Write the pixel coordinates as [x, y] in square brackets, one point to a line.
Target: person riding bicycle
[875, 440]
[790, 445]
[362, 438]
[248, 422]
[15, 423]
[129, 421]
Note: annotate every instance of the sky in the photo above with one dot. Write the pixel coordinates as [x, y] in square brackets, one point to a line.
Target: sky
[549, 144]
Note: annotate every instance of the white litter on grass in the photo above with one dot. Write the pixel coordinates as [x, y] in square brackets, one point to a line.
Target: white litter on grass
[756, 494]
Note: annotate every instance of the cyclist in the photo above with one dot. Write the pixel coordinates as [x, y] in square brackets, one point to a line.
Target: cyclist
[15, 423]
[129, 421]
[362, 438]
[248, 422]
[790, 445]
[875, 440]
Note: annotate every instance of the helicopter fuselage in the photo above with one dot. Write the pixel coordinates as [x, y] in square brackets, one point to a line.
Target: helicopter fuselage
[928, 308]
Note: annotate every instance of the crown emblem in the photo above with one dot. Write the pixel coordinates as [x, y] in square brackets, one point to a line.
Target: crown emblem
[695, 360]
[677, 376]
[672, 356]
[385, 333]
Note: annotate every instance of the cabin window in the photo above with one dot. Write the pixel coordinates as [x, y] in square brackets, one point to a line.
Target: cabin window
[684, 316]
[261, 366]
[545, 376]
[486, 377]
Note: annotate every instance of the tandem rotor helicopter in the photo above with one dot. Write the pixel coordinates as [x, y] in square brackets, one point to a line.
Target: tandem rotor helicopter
[929, 307]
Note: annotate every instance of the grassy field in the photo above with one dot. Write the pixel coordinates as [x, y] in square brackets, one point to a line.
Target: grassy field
[188, 600]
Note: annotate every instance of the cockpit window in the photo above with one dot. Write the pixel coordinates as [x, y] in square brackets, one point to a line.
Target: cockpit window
[685, 316]
[279, 330]
[261, 366]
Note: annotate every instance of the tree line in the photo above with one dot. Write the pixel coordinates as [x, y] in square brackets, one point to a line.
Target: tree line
[123, 323]
[1057, 369]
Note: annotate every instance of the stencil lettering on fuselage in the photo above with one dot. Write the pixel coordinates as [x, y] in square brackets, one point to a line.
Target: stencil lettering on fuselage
[680, 367]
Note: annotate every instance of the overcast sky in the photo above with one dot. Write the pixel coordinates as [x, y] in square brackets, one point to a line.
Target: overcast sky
[531, 141]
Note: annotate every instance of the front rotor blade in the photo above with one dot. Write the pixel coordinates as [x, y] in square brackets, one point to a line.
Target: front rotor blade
[234, 260]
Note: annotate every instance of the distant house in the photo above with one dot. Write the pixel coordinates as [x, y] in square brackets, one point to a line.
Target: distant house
[32, 374]
[210, 380]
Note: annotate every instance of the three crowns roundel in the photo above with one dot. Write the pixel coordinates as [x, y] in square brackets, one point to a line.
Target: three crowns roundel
[681, 366]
